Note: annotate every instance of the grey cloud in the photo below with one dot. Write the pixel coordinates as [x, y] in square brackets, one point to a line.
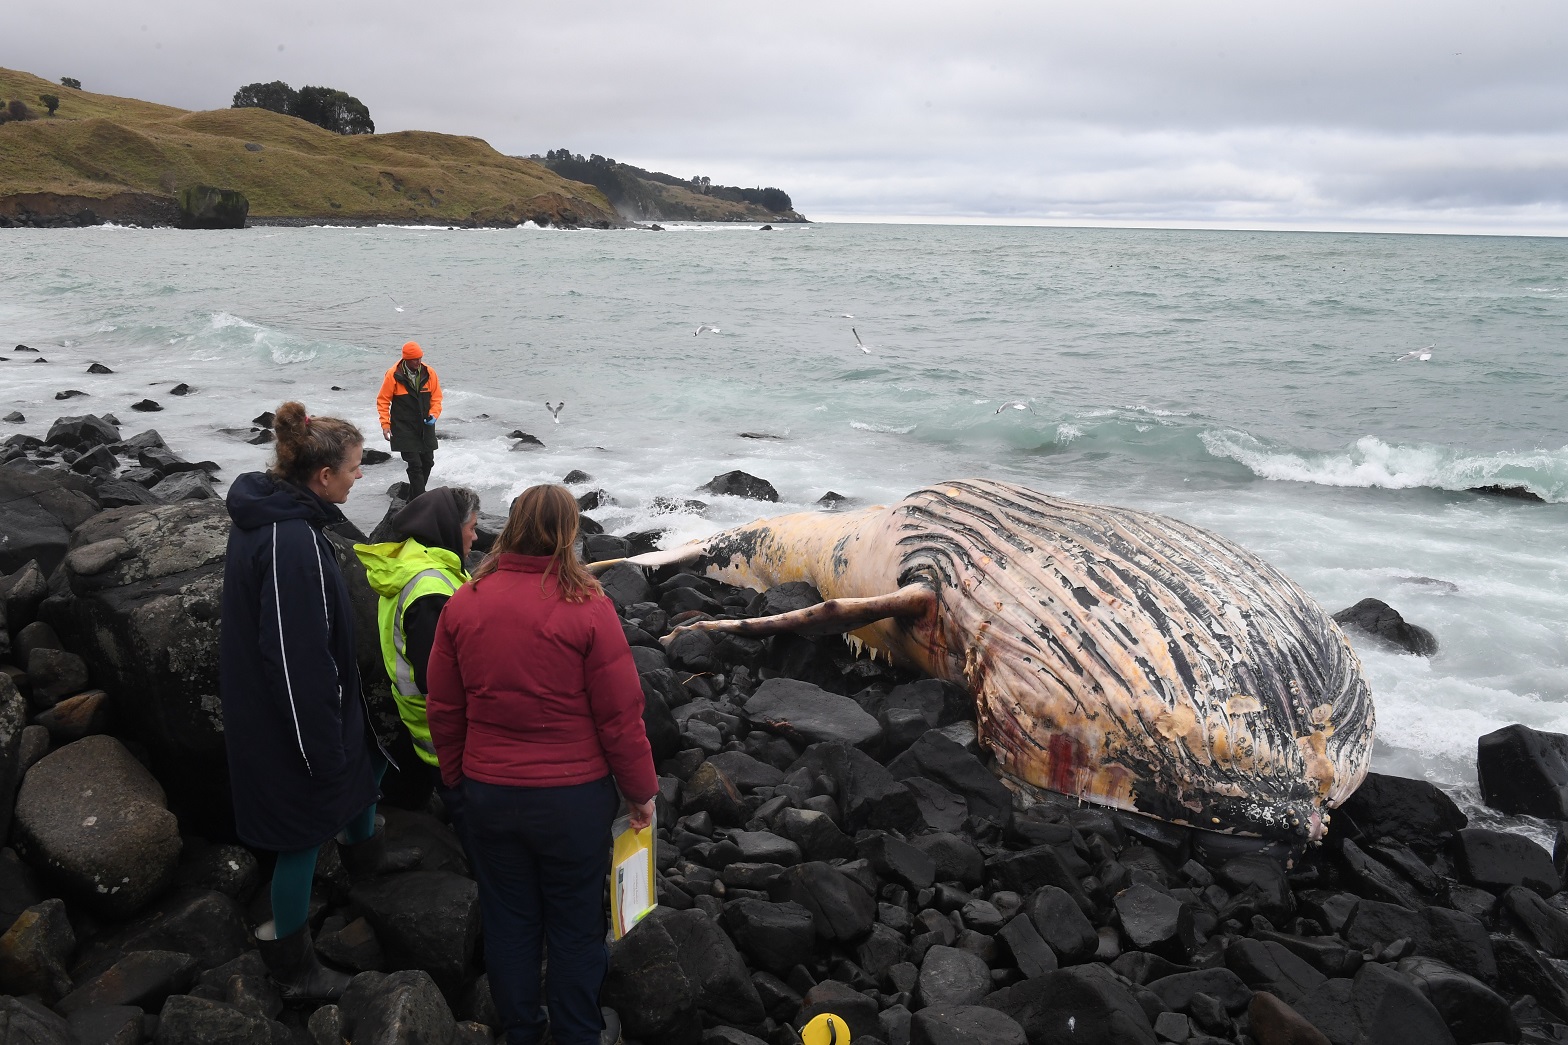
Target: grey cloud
[1130, 110]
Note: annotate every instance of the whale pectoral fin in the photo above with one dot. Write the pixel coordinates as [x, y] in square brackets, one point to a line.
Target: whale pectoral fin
[832, 617]
[649, 560]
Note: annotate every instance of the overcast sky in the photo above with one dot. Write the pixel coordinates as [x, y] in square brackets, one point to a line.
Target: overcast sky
[1436, 115]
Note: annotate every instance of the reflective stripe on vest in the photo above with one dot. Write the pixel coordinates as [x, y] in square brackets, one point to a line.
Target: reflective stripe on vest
[403, 682]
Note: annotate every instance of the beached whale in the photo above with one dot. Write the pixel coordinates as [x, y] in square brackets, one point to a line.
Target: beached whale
[1114, 655]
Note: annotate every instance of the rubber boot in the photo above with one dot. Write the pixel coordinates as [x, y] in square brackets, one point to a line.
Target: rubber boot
[611, 1035]
[295, 968]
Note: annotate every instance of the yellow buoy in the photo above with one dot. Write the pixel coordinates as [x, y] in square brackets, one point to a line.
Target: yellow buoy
[825, 1029]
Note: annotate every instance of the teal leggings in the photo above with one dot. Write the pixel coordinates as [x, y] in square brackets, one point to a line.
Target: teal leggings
[294, 872]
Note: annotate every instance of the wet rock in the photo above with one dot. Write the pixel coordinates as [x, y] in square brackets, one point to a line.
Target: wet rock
[34, 952]
[936, 758]
[866, 792]
[892, 858]
[1538, 921]
[354, 946]
[1179, 989]
[1523, 770]
[110, 1025]
[841, 909]
[123, 492]
[23, 591]
[54, 674]
[775, 936]
[141, 978]
[1272, 1022]
[747, 772]
[69, 393]
[1383, 622]
[842, 1000]
[739, 484]
[425, 920]
[16, 417]
[26, 1022]
[1062, 925]
[1435, 932]
[1370, 878]
[185, 486]
[710, 790]
[184, 1020]
[1155, 921]
[955, 860]
[718, 977]
[951, 977]
[146, 406]
[625, 584]
[1378, 1005]
[92, 817]
[1025, 871]
[82, 432]
[809, 714]
[817, 835]
[1520, 971]
[1075, 1005]
[648, 987]
[1472, 1010]
[1411, 811]
[1272, 967]
[37, 515]
[964, 1025]
[1496, 860]
[400, 1008]
[1032, 956]
[208, 926]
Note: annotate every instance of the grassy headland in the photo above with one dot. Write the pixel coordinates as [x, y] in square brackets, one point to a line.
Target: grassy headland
[98, 147]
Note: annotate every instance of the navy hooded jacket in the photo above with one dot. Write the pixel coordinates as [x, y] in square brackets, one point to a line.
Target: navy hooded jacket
[293, 715]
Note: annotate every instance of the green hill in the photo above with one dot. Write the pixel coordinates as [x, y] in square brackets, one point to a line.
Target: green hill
[126, 158]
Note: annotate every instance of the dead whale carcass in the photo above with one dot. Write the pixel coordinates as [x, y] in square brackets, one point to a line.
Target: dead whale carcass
[1113, 655]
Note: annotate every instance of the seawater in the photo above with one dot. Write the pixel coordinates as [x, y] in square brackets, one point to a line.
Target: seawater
[1242, 381]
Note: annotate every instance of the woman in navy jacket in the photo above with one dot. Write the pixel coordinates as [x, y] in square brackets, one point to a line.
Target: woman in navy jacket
[300, 753]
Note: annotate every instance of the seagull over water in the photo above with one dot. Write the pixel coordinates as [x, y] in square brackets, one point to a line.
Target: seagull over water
[555, 411]
[1419, 354]
[1016, 404]
[859, 342]
[707, 329]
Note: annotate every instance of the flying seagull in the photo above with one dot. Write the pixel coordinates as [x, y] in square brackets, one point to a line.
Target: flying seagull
[1421, 354]
[555, 411]
[859, 342]
[706, 329]
[1016, 404]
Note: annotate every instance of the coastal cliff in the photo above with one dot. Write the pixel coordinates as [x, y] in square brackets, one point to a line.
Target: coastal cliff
[103, 158]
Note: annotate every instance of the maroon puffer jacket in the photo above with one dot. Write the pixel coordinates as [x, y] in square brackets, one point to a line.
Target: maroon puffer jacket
[529, 690]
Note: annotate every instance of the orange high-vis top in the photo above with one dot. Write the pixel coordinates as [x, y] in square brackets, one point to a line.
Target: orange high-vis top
[390, 386]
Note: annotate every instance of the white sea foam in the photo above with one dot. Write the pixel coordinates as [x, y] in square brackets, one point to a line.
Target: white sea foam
[870, 426]
[1372, 462]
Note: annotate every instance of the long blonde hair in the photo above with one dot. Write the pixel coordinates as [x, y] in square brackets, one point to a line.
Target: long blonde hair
[543, 521]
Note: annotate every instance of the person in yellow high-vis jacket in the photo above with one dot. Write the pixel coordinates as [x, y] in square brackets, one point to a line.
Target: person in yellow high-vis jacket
[414, 577]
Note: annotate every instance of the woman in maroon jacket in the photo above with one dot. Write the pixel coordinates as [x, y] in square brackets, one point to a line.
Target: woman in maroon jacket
[535, 708]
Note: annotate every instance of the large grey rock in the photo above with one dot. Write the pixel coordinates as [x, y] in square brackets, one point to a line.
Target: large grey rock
[936, 758]
[964, 1025]
[92, 817]
[648, 986]
[809, 714]
[25, 1021]
[424, 920]
[23, 591]
[208, 926]
[713, 967]
[951, 977]
[1383, 622]
[400, 1008]
[626, 584]
[1075, 1005]
[184, 1020]
[55, 674]
[37, 515]
[1524, 770]
[141, 978]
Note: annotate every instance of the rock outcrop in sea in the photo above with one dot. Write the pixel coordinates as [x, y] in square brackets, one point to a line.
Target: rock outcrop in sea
[831, 838]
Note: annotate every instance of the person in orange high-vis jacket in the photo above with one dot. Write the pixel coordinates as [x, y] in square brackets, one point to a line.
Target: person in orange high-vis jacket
[409, 403]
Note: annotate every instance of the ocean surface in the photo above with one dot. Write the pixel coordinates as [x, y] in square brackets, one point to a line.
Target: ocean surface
[1245, 382]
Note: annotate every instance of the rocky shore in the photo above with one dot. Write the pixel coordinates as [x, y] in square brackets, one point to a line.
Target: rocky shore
[831, 838]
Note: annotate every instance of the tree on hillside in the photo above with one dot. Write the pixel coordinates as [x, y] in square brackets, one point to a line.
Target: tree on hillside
[51, 102]
[72, 82]
[326, 107]
[276, 96]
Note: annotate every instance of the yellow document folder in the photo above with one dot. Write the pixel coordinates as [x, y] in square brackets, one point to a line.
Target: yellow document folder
[632, 881]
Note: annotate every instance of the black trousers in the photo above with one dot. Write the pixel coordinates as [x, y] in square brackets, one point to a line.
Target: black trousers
[419, 465]
[541, 856]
